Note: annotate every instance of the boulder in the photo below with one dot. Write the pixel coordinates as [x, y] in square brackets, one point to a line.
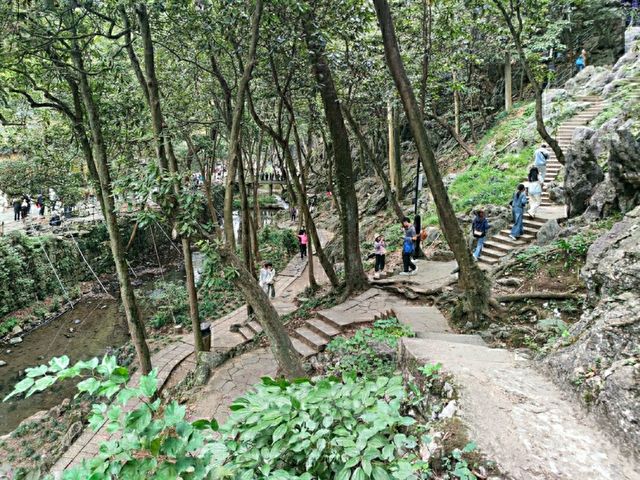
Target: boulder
[631, 36]
[601, 358]
[604, 200]
[2, 363]
[556, 192]
[582, 172]
[548, 232]
[15, 340]
[624, 168]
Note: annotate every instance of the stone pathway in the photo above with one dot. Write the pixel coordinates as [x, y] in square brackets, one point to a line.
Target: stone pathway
[500, 245]
[87, 445]
[239, 374]
[518, 417]
[289, 282]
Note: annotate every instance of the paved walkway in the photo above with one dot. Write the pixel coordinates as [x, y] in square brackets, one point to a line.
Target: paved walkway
[238, 376]
[518, 417]
[290, 282]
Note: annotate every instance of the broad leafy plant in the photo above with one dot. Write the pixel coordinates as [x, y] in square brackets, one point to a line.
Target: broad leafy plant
[331, 429]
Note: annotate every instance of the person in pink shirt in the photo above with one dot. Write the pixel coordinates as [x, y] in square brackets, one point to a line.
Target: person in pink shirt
[304, 240]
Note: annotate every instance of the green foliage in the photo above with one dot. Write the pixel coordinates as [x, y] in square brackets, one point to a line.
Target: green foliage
[332, 429]
[352, 429]
[456, 465]
[7, 325]
[360, 353]
[571, 251]
[170, 305]
[574, 249]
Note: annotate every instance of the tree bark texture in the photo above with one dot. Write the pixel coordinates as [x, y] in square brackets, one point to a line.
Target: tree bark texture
[354, 272]
[236, 124]
[472, 280]
[132, 313]
[508, 90]
[393, 134]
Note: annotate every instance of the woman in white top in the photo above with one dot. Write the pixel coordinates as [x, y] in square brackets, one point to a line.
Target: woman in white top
[535, 192]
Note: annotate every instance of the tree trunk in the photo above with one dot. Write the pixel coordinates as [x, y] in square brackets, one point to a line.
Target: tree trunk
[192, 291]
[540, 126]
[508, 93]
[391, 198]
[395, 166]
[456, 104]
[472, 281]
[280, 343]
[236, 123]
[355, 277]
[464, 145]
[132, 313]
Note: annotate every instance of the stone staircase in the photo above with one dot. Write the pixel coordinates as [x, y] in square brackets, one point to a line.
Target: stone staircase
[500, 245]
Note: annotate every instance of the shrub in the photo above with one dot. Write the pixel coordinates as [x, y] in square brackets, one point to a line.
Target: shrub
[332, 429]
[361, 353]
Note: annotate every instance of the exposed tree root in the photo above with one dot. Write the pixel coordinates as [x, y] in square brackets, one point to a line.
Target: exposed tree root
[516, 297]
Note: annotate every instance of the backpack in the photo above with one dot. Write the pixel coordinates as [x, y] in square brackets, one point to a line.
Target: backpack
[407, 246]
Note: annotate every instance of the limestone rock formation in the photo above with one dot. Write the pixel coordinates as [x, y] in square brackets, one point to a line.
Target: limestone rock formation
[601, 359]
[548, 232]
[624, 169]
[582, 172]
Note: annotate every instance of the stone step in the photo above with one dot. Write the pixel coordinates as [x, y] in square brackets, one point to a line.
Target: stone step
[464, 339]
[488, 260]
[302, 348]
[323, 328]
[503, 247]
[311, 338]
[487, 250]
[255, 326]
[246, 332]
[423, 320]
[533, 223]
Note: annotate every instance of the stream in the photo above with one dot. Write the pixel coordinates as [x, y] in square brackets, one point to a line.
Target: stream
[97, 328]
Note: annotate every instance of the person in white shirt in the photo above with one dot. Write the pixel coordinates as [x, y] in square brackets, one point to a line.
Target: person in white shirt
[267, 279]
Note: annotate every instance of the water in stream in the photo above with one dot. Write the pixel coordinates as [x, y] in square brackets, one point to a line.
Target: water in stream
[101, 327]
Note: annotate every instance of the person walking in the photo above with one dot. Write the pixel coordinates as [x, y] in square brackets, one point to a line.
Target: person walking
[379, 250]
[267, 279]
[24, 209]
[409, 268]
[17, 204]
[304, 240]
[40, 204]
[535, 192]
[581, 61]
[540, 158]
[293, 212]
[479, 228]
[518, 202]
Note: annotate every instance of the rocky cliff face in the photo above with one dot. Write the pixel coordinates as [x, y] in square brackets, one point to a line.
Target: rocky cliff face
[601, 359]
[603, 164]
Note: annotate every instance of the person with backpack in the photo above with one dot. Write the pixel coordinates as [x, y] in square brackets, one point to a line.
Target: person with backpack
[540, 158]
[409, 268]
[535, 191]
[518, 202]
[479, 228]
[40, 204]
[304, 240]
[379, 250]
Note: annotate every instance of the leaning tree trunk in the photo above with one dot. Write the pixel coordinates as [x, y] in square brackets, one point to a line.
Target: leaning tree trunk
[355, 277]
[132, 313]
[393, 142]
[540, 126]
[280, 343]
[472, 280]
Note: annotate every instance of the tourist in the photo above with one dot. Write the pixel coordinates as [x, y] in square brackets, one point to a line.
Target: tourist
[267, 279]
[518, 202]
[379, 250]
[40, 204]
[17, 204]
[540, 158]
[479, 228]
[409, 268]
[293, 212]
[535, 192]
[24, 209]
[304, 240]
[581, 61]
